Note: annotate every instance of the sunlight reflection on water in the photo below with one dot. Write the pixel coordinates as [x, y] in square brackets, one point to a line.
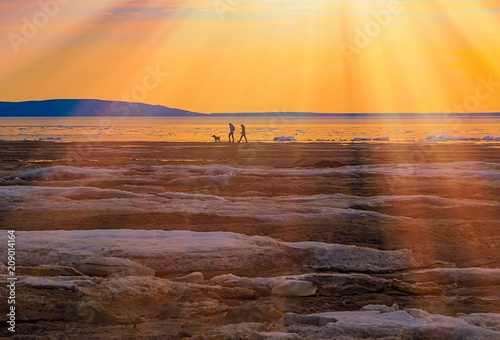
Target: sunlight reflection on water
[258, 129]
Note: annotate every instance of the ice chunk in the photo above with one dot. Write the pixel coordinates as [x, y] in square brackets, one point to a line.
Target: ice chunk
[335, 257]
[195, 277]
[54, 283]
[222, 180]
[280, 285]
[113, 267]
[294, 288]
[67, 172]
[491, 139]
[47, 270]
[182, 195]
[381, 308]
[285, 139]
[472, 277]
[253, 312]
[80, 193]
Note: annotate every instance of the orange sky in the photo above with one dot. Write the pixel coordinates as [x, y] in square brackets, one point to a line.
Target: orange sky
[256, 55]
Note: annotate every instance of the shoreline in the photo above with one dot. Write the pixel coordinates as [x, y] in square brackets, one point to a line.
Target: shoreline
[418, 142]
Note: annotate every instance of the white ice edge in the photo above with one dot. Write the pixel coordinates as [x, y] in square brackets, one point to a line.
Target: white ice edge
[188, 251]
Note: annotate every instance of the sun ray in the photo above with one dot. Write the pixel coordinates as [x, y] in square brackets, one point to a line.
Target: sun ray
[259, 55]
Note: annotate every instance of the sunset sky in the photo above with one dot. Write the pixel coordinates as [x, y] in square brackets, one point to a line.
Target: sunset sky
[256, 55]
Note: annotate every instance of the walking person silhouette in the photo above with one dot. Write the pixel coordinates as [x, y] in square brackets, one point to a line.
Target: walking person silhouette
[243, 134]
[231, 132]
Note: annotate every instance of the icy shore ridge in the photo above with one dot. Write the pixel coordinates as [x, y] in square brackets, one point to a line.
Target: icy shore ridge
[187, 251]
[92, 275]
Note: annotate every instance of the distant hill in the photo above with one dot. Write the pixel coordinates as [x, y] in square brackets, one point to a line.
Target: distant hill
[88, 108]
[355, 115]
[106, 108]
[277, 114]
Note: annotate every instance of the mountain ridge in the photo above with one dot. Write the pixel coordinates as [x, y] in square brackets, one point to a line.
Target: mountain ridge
[89, 108]
[109, 108]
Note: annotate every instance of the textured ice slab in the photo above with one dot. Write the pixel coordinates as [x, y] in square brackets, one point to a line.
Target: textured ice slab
[382, 322]
[113, 267]
[457, 276]
[371, 322]
[280, 285]
[275, 209]
[187, 251]
[326, 284]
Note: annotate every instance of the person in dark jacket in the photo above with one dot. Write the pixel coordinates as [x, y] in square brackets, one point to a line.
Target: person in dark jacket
[243, 134]
[231, 132]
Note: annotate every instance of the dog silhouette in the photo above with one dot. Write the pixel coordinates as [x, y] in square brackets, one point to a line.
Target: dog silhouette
[216, 138]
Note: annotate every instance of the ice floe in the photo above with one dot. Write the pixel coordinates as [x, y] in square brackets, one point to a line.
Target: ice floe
[457, 276]
[383, 322]
[452, 138]
[491, 139]
[285, 139]
[371, 322]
